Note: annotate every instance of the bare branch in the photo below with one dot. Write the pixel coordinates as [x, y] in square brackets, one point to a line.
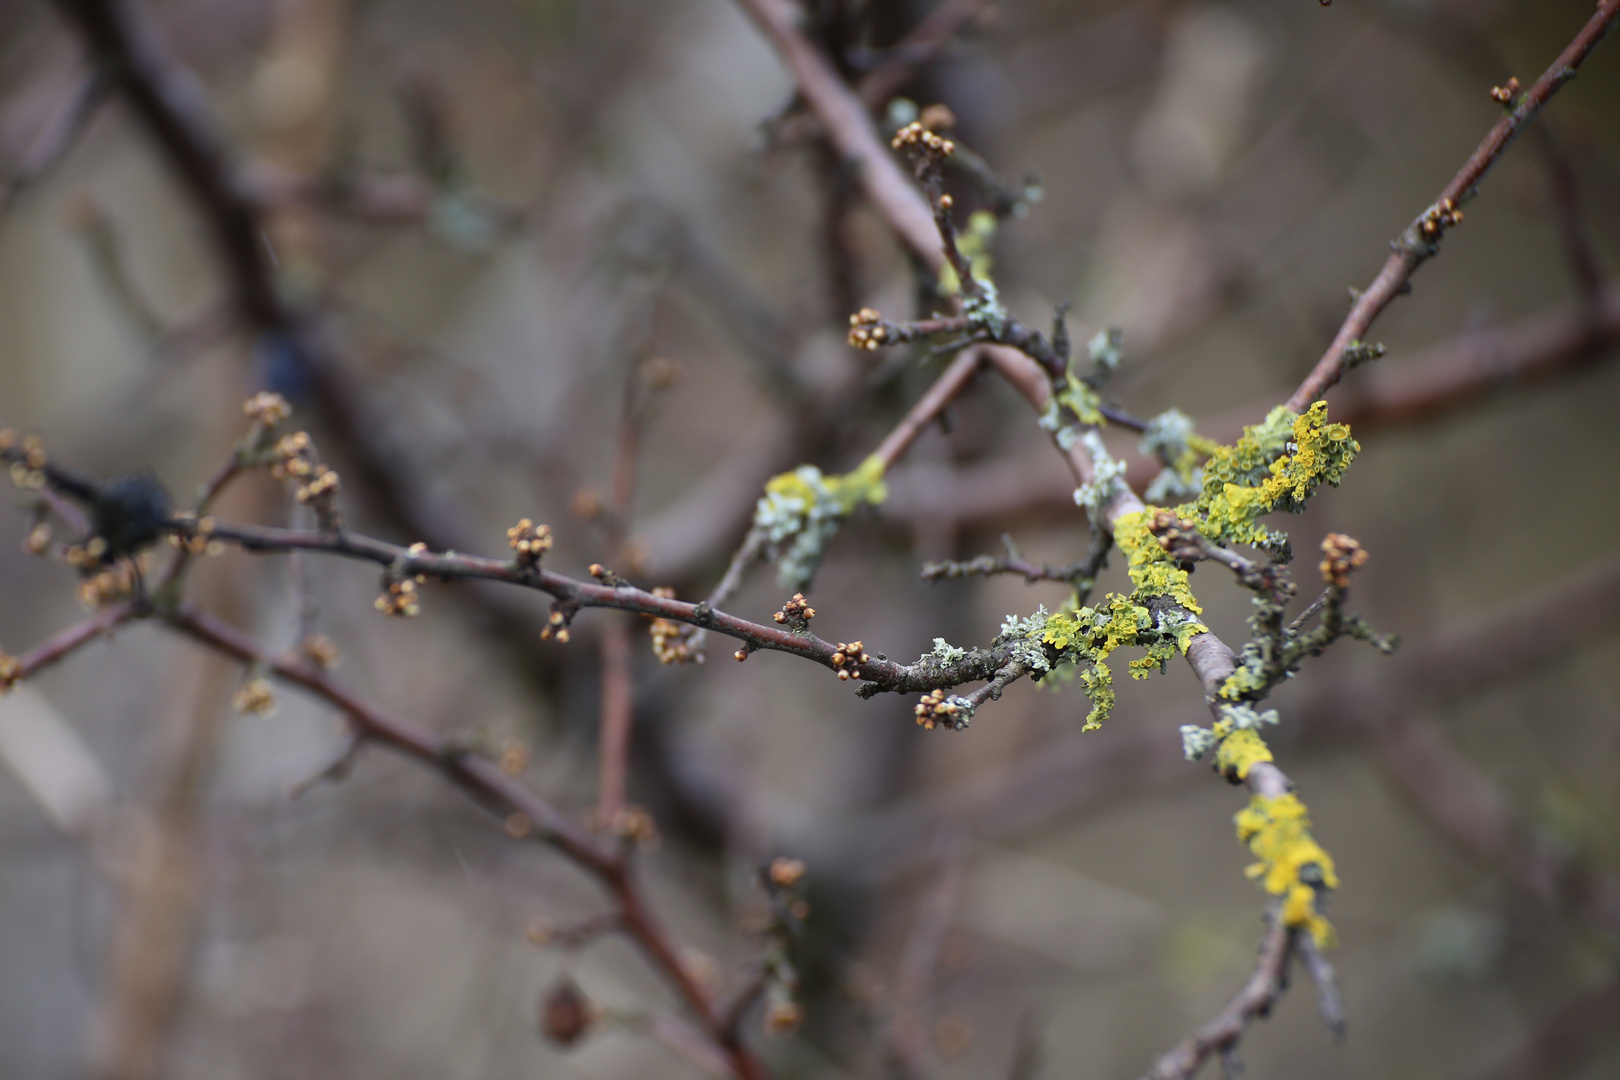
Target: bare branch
[523, 812]
[1421, 240]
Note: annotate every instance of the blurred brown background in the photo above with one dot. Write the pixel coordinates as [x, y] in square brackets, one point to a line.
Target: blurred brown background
[578, 187]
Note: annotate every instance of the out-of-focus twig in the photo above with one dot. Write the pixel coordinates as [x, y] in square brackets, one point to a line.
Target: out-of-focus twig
[930, 406]
[524, 813]
[922, 43]
[1458, 372]
[908, 1030]
[1221, 1034]
[59, 647]
[1558, 1046]
[55, 138]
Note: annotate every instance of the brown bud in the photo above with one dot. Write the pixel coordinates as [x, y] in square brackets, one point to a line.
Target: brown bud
[786, 872]
[565, 1014]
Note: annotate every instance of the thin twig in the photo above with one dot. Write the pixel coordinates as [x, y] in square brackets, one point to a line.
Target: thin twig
[522, 811]
[1420, 242]
[572, 595]
[908, 1031]
[55, 649]
[55, 138]
[928, 408]
[1244, 1008]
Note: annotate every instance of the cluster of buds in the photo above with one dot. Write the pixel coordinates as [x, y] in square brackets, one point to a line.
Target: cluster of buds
[10, 671]
[556, 626]
[635, 825]
[780, 920]
[27, 457]
[530, 541]
[266, 409]
[1438, 218]
[200, 540]
[935, 708]
[671, 641]
[256, 697]
[108, 583]
[1177, 536]
[86, 556]
[867, 330]
[1503, 95]
[796, 613]
[317, 484]
[321, 651]
[848, 658]
[400, 600]
[1340, 555]
[921, 145]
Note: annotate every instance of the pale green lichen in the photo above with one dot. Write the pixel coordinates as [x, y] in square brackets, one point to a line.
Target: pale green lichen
[944, 652]
[1080, 398]
[1022, 637]
[801, 511]
[1106, 351]
[1170, 438]
[1196, 741]
[1108, 479]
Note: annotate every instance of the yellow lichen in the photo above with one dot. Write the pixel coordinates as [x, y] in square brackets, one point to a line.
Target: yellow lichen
[1291, 864]
[846, 492]
[1239, 752]
[1152, 570]
[1274, 466]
